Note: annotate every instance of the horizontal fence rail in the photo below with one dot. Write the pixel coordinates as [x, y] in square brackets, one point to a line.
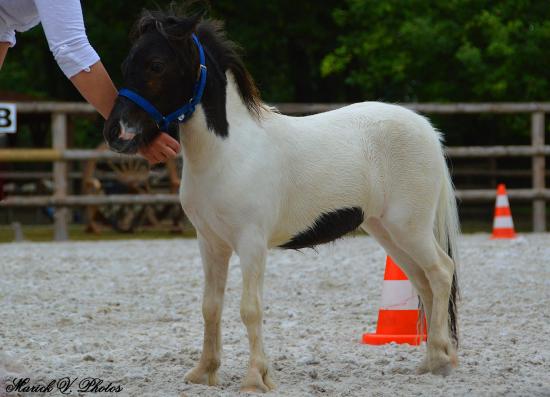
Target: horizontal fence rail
[59, 155]
[84, 200]
[77, 175]
[497, 151]
[469, 195]
[311, 108]
[48, 155]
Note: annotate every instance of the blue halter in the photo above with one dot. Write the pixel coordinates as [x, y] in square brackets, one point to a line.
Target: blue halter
[182, 114]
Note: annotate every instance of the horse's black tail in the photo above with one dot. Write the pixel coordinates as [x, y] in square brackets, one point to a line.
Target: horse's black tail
[447, 232]
[453, 311]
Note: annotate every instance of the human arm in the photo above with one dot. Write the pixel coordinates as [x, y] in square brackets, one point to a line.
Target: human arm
[97, 88]
[4, 46]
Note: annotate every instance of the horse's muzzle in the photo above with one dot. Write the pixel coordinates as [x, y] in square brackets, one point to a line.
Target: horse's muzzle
[120, 140]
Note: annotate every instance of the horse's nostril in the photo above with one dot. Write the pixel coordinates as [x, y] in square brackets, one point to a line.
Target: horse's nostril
[112, 133]
[126, 135]
[126, 132]
[120, 137]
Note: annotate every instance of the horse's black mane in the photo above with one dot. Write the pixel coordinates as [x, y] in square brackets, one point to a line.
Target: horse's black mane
[225, 53]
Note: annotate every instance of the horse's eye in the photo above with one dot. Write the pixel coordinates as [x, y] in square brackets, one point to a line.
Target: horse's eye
[156, 67]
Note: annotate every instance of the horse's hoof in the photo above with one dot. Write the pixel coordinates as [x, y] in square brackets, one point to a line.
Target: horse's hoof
[199, 376]
[254, 389]
[454, 359]
[423, 368]
[443, 370]
[257, 383]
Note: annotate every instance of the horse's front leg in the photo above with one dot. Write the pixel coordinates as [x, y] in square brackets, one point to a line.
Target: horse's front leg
[215, 258]
[252, 251]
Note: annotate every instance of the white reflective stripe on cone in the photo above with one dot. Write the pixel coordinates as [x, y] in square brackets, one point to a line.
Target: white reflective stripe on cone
[398, 295]
[503, 222]
[502, 201]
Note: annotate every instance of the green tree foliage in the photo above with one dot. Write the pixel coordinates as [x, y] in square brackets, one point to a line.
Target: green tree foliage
[284, 42]
[432, 50]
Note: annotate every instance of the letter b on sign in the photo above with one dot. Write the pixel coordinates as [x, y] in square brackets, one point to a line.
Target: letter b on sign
[8, 118]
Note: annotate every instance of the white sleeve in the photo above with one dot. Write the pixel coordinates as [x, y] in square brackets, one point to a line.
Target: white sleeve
[7, 36]
[64, 27]
[16, 15]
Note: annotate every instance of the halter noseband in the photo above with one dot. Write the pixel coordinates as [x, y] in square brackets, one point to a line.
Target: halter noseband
[182, 114]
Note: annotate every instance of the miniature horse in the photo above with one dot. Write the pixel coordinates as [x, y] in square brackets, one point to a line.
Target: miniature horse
[254, 179]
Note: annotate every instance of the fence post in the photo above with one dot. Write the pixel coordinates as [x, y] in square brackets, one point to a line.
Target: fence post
[61, 215]
[539, 171]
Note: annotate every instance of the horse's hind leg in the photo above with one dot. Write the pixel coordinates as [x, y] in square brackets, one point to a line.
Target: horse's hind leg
[215, 258]
[414, 272]
[252, 251]
[420, 244]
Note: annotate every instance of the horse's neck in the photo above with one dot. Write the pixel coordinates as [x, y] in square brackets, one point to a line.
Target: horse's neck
[201, 147]
[198, 143]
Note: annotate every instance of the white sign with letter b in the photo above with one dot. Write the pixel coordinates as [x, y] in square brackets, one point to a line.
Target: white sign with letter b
[8, 118]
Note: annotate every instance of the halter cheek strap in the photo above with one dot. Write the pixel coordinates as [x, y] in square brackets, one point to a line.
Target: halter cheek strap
[182, 114]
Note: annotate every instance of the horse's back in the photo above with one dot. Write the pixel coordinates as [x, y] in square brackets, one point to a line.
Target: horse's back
[396, 134]
[372, 132]
[373, 114]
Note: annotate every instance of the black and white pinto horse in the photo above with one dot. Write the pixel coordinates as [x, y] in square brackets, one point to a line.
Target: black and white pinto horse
[254, 179]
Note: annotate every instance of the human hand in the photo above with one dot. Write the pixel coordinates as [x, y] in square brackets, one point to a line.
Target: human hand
[161, 149]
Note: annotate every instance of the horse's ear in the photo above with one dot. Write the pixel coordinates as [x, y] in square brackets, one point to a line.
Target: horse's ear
[183, 28]
[146, 23]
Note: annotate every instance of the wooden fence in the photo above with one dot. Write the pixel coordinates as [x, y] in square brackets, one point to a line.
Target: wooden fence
[60, 155]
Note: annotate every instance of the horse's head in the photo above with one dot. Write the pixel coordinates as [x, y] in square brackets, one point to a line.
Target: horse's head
[162, 67]
[165, 69]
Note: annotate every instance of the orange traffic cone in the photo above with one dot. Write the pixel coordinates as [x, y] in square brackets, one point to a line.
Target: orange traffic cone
[503, 225]
[398, 314]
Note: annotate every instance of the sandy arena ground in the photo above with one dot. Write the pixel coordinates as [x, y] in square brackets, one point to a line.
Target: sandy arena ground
[129, 312]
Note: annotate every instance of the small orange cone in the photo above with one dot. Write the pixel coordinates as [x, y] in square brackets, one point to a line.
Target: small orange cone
[503, 225]
[398, 314]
